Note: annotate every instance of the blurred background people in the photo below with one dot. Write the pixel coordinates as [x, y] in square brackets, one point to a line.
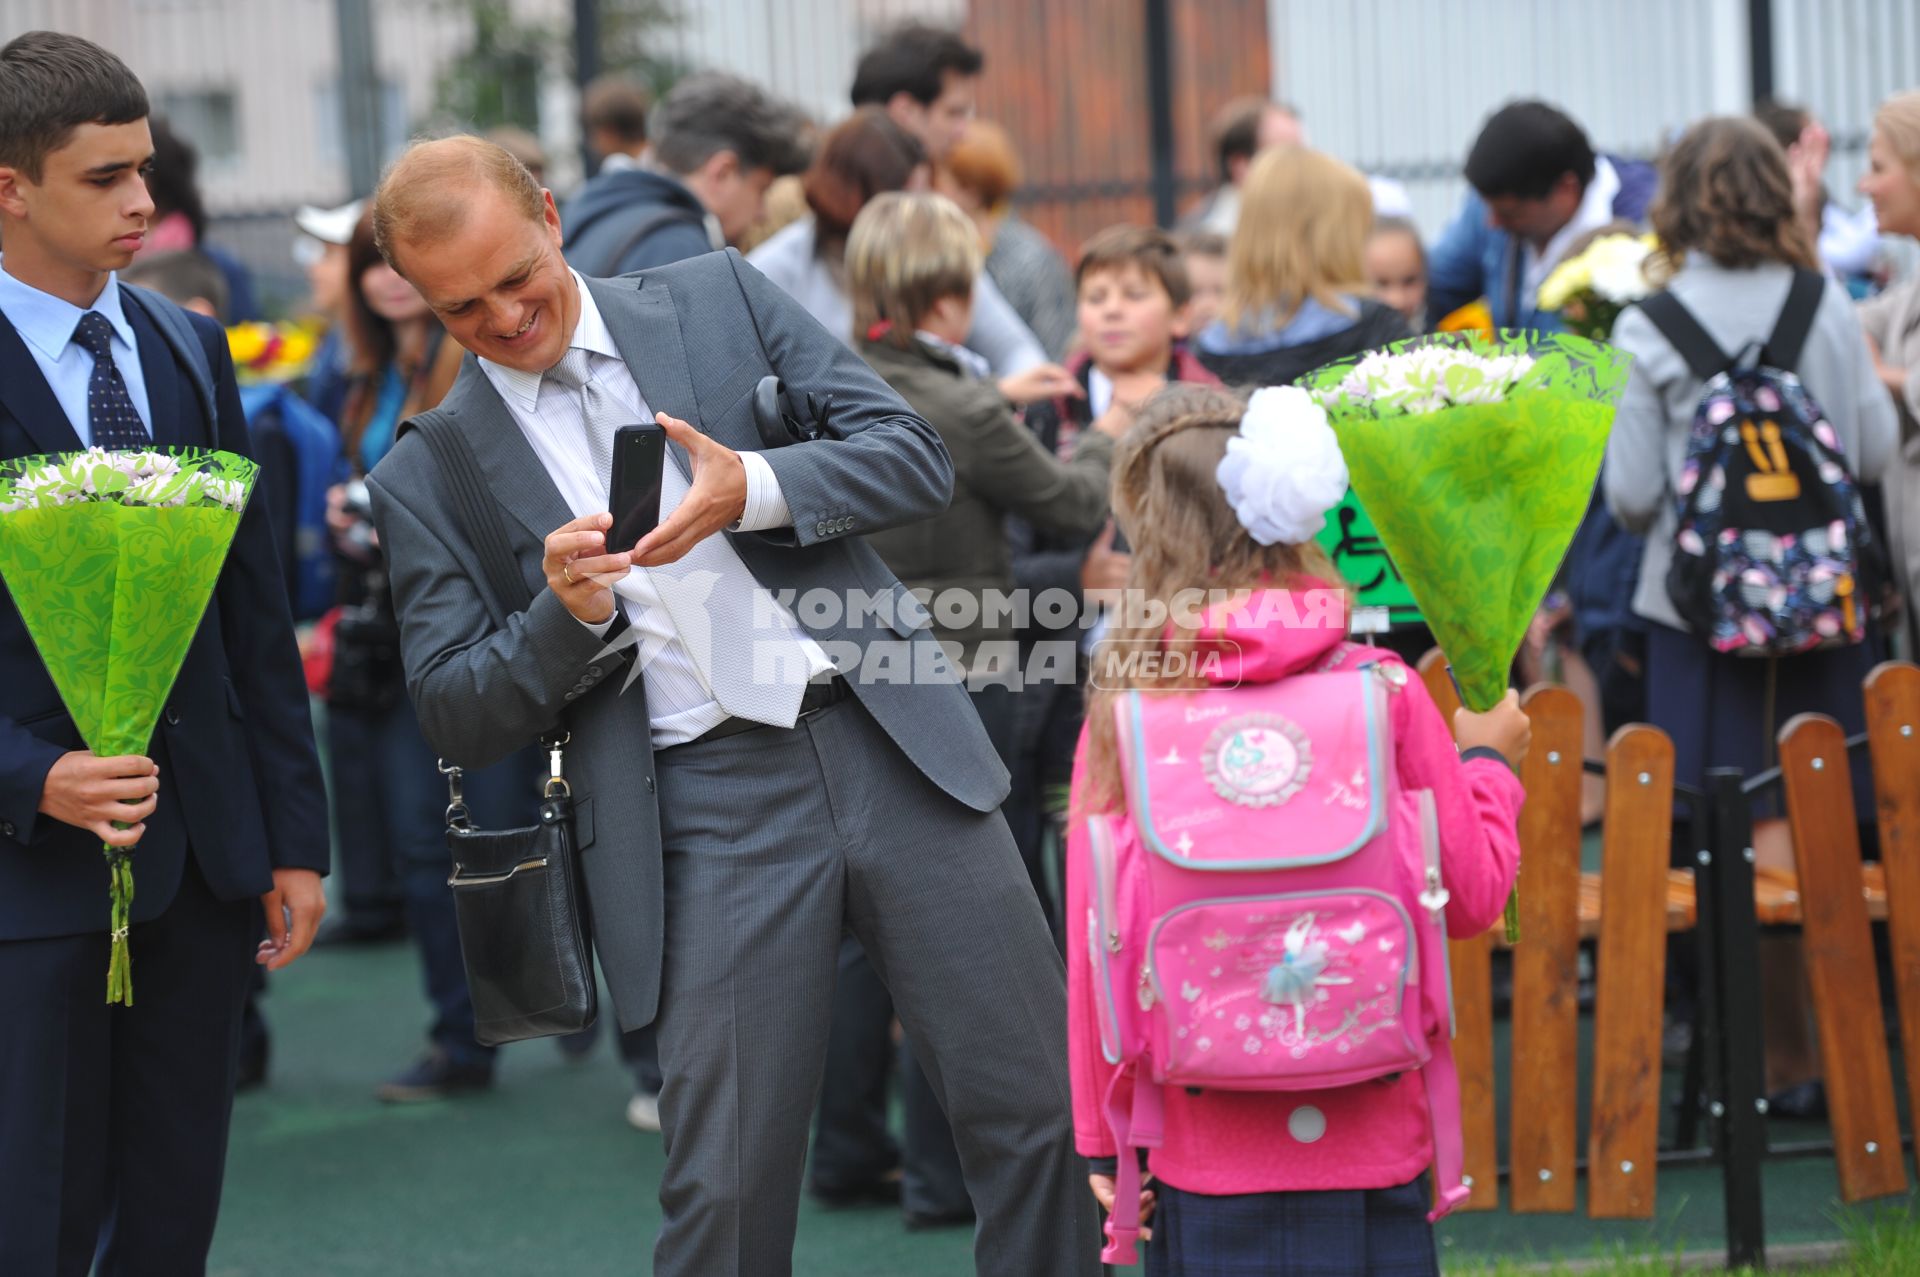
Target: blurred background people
[1892, 323]
[1396, 266]
[718, 143]
[926, 79]
[180, 217]
[1203, 254]
[1847, 240]
[389, 800]
[1297, 295]
[982, 174]
[862, 156]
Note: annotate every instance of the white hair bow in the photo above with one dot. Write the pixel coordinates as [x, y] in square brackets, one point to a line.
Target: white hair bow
[1283, 471]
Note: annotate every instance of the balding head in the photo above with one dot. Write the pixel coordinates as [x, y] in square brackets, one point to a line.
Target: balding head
[429, 191]
[466, 224]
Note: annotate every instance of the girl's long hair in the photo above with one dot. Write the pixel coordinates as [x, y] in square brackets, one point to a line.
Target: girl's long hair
[1302, 235]
[1725, 193]
[1185, 537]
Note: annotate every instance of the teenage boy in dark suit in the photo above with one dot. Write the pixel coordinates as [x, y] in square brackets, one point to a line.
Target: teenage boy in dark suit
[113, 1119]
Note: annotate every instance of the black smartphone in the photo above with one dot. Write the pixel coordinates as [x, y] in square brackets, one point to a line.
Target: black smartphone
[634, 499]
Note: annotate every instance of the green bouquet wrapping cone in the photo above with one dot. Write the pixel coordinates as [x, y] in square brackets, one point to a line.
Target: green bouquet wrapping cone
[1476, 459]
[111, 559]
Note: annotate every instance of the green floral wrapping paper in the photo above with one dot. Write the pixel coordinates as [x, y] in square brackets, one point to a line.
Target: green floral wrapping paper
[1476, 459]
[111, 559]
[1476, 503]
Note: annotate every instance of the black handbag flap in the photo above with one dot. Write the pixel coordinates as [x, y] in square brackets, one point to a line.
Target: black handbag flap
[491, 853]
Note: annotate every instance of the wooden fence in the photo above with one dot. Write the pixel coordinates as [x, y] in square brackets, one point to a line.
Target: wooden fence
[1627, 910]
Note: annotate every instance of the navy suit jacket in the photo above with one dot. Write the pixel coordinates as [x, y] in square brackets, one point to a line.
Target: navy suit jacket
[239, 779]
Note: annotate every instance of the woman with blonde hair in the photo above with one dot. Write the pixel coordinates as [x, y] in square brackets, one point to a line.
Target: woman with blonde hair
[1297, 295]
[1892, 321]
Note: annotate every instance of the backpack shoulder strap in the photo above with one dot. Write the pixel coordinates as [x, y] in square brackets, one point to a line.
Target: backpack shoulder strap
[1790, 331]
[185, 343]
[1693, 343]
[657, 217]
[475, 511]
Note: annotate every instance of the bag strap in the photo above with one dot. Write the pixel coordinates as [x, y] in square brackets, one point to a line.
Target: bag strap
[1136, 1114]
[1790, 331]
[1442, 1081]
[658, 217]
[475, 511]
[1683, 332]
[477, 515]
[178, 332]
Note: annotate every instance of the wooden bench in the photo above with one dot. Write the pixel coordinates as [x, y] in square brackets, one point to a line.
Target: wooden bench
[1776, 891]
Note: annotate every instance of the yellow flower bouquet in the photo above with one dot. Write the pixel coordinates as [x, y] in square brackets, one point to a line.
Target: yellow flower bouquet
[1591, 289]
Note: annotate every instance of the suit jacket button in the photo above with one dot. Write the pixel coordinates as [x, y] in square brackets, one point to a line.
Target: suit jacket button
[593, 671]
[820, 528]
[649, 790]
[571, 695]
[172, 717]
[6, 826]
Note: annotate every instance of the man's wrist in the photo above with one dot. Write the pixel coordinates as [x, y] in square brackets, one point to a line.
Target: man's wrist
[766, 506]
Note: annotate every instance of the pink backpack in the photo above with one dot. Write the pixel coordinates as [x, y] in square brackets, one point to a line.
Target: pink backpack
[1270, 916]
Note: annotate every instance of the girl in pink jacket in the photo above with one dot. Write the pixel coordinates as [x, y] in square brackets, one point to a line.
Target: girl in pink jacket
[1320, 1182]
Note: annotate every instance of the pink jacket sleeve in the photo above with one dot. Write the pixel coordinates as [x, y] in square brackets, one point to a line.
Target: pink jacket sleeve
[1478, 803]
[1087, 1068]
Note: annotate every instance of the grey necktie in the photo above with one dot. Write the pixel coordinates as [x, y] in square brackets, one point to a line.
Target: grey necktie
[601, 413]
[716, 627]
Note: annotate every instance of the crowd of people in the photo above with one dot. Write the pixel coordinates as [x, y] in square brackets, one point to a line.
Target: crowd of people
[789, 869]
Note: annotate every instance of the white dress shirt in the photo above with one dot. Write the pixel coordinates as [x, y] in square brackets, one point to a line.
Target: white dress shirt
[46, 324]
[680, 703]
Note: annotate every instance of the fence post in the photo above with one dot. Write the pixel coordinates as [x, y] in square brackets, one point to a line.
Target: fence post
[1159, 45]
[1739, 1088]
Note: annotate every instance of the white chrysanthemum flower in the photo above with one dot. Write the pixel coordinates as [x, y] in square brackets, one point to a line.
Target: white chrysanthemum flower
[1429, 378]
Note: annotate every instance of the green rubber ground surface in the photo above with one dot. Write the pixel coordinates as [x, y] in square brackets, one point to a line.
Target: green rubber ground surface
[543, 1176]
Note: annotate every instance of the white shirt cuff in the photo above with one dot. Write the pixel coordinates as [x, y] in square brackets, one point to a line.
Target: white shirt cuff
[600, 628]
[766, 505]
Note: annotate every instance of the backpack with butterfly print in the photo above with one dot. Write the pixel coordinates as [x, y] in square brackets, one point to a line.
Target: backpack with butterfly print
[1772, 554]
[1267, 914]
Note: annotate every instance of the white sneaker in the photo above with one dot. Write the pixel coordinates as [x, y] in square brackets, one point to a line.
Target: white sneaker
[643, 1112]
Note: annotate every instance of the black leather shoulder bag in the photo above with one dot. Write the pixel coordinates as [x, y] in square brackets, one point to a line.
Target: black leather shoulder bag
[518, 897]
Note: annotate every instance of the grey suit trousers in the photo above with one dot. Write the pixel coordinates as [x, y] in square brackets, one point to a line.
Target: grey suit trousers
[773, 841]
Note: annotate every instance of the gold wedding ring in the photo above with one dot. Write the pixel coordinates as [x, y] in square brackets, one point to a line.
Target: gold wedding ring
[566, 570]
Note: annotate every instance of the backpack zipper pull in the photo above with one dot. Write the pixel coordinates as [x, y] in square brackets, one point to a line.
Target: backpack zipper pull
[1435, 897]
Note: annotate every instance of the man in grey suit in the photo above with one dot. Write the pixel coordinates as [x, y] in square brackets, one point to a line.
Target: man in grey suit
[740, 805]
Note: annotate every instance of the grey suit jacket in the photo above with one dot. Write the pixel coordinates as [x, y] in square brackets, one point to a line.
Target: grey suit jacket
[698, 335]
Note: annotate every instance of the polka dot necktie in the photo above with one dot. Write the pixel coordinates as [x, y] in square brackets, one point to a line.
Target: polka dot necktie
[111, 419]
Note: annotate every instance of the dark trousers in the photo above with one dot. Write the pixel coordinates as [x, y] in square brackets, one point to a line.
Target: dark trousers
[851, 1145]
[366, 873]
[391, 795]
[113, 1120]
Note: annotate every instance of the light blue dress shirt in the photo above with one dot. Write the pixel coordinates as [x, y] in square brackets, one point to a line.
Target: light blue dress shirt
[46, 324]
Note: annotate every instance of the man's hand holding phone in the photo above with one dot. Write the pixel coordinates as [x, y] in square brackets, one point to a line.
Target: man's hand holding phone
[714, 502]
[580, 571]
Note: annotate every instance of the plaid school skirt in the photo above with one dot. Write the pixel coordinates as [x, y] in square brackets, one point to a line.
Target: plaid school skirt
[1375, 1232]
